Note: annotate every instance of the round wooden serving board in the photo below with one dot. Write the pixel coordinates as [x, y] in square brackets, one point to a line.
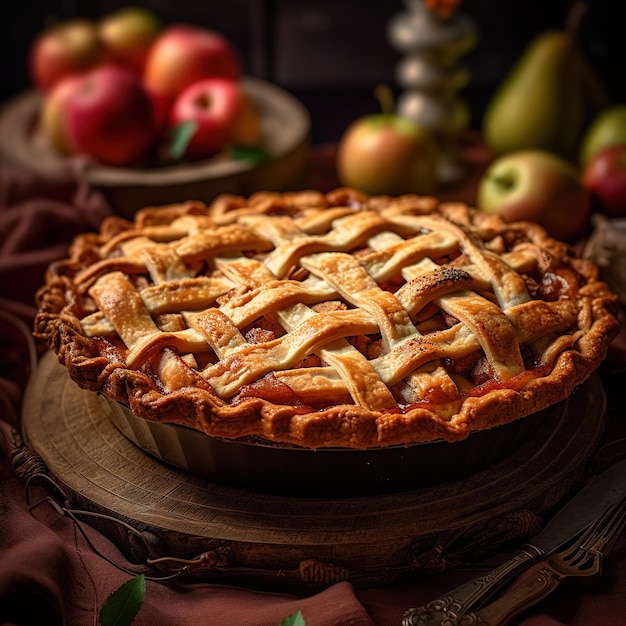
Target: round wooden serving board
[188, 526]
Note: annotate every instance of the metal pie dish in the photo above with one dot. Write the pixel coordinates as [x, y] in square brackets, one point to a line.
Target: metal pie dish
[256, 464]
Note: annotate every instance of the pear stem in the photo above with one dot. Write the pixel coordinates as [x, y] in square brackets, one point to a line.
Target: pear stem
[575, 17]
[385, 99]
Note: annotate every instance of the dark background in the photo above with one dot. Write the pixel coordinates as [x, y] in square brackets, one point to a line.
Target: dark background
[332, 53]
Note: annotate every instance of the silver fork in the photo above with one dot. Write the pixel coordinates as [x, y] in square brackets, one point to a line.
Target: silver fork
[581, 558]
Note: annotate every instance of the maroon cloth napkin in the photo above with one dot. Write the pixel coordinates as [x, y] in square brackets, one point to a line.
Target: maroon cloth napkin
[38, 221]
[50, 574]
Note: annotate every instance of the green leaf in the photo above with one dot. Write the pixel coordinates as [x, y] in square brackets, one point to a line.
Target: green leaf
[181, 136]
[294, 620]
[249, 153]
[124, 603]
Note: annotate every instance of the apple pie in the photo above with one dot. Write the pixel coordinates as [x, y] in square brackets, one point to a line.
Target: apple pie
[322, 320]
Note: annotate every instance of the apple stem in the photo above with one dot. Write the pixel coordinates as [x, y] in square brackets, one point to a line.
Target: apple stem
[575, 17]
[385, 99]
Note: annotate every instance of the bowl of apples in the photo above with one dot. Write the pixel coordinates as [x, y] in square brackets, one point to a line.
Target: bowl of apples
[152, 114]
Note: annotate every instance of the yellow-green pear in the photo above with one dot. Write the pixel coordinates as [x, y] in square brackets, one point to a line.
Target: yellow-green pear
[607, 129]
[547, 99]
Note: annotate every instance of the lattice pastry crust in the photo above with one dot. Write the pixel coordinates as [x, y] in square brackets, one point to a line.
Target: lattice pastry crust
[326, 319]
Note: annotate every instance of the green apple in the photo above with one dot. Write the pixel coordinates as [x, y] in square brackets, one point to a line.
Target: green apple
[537, 186]
[128, 34]
[383, 153]
[607, 129]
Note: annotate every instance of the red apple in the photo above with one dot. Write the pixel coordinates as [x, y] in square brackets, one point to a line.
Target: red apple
[71, 47]
[605, 178]
[386, 154]
[538, 186]
[128, 35]
[161, 108]
[104, 113]
[209, 108]
[184, 54]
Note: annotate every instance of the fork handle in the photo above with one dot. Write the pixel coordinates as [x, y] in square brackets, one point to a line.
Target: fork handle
[516, 600]
[448, 608]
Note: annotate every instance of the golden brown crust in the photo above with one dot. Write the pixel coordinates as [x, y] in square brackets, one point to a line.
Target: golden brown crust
[326, 319]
